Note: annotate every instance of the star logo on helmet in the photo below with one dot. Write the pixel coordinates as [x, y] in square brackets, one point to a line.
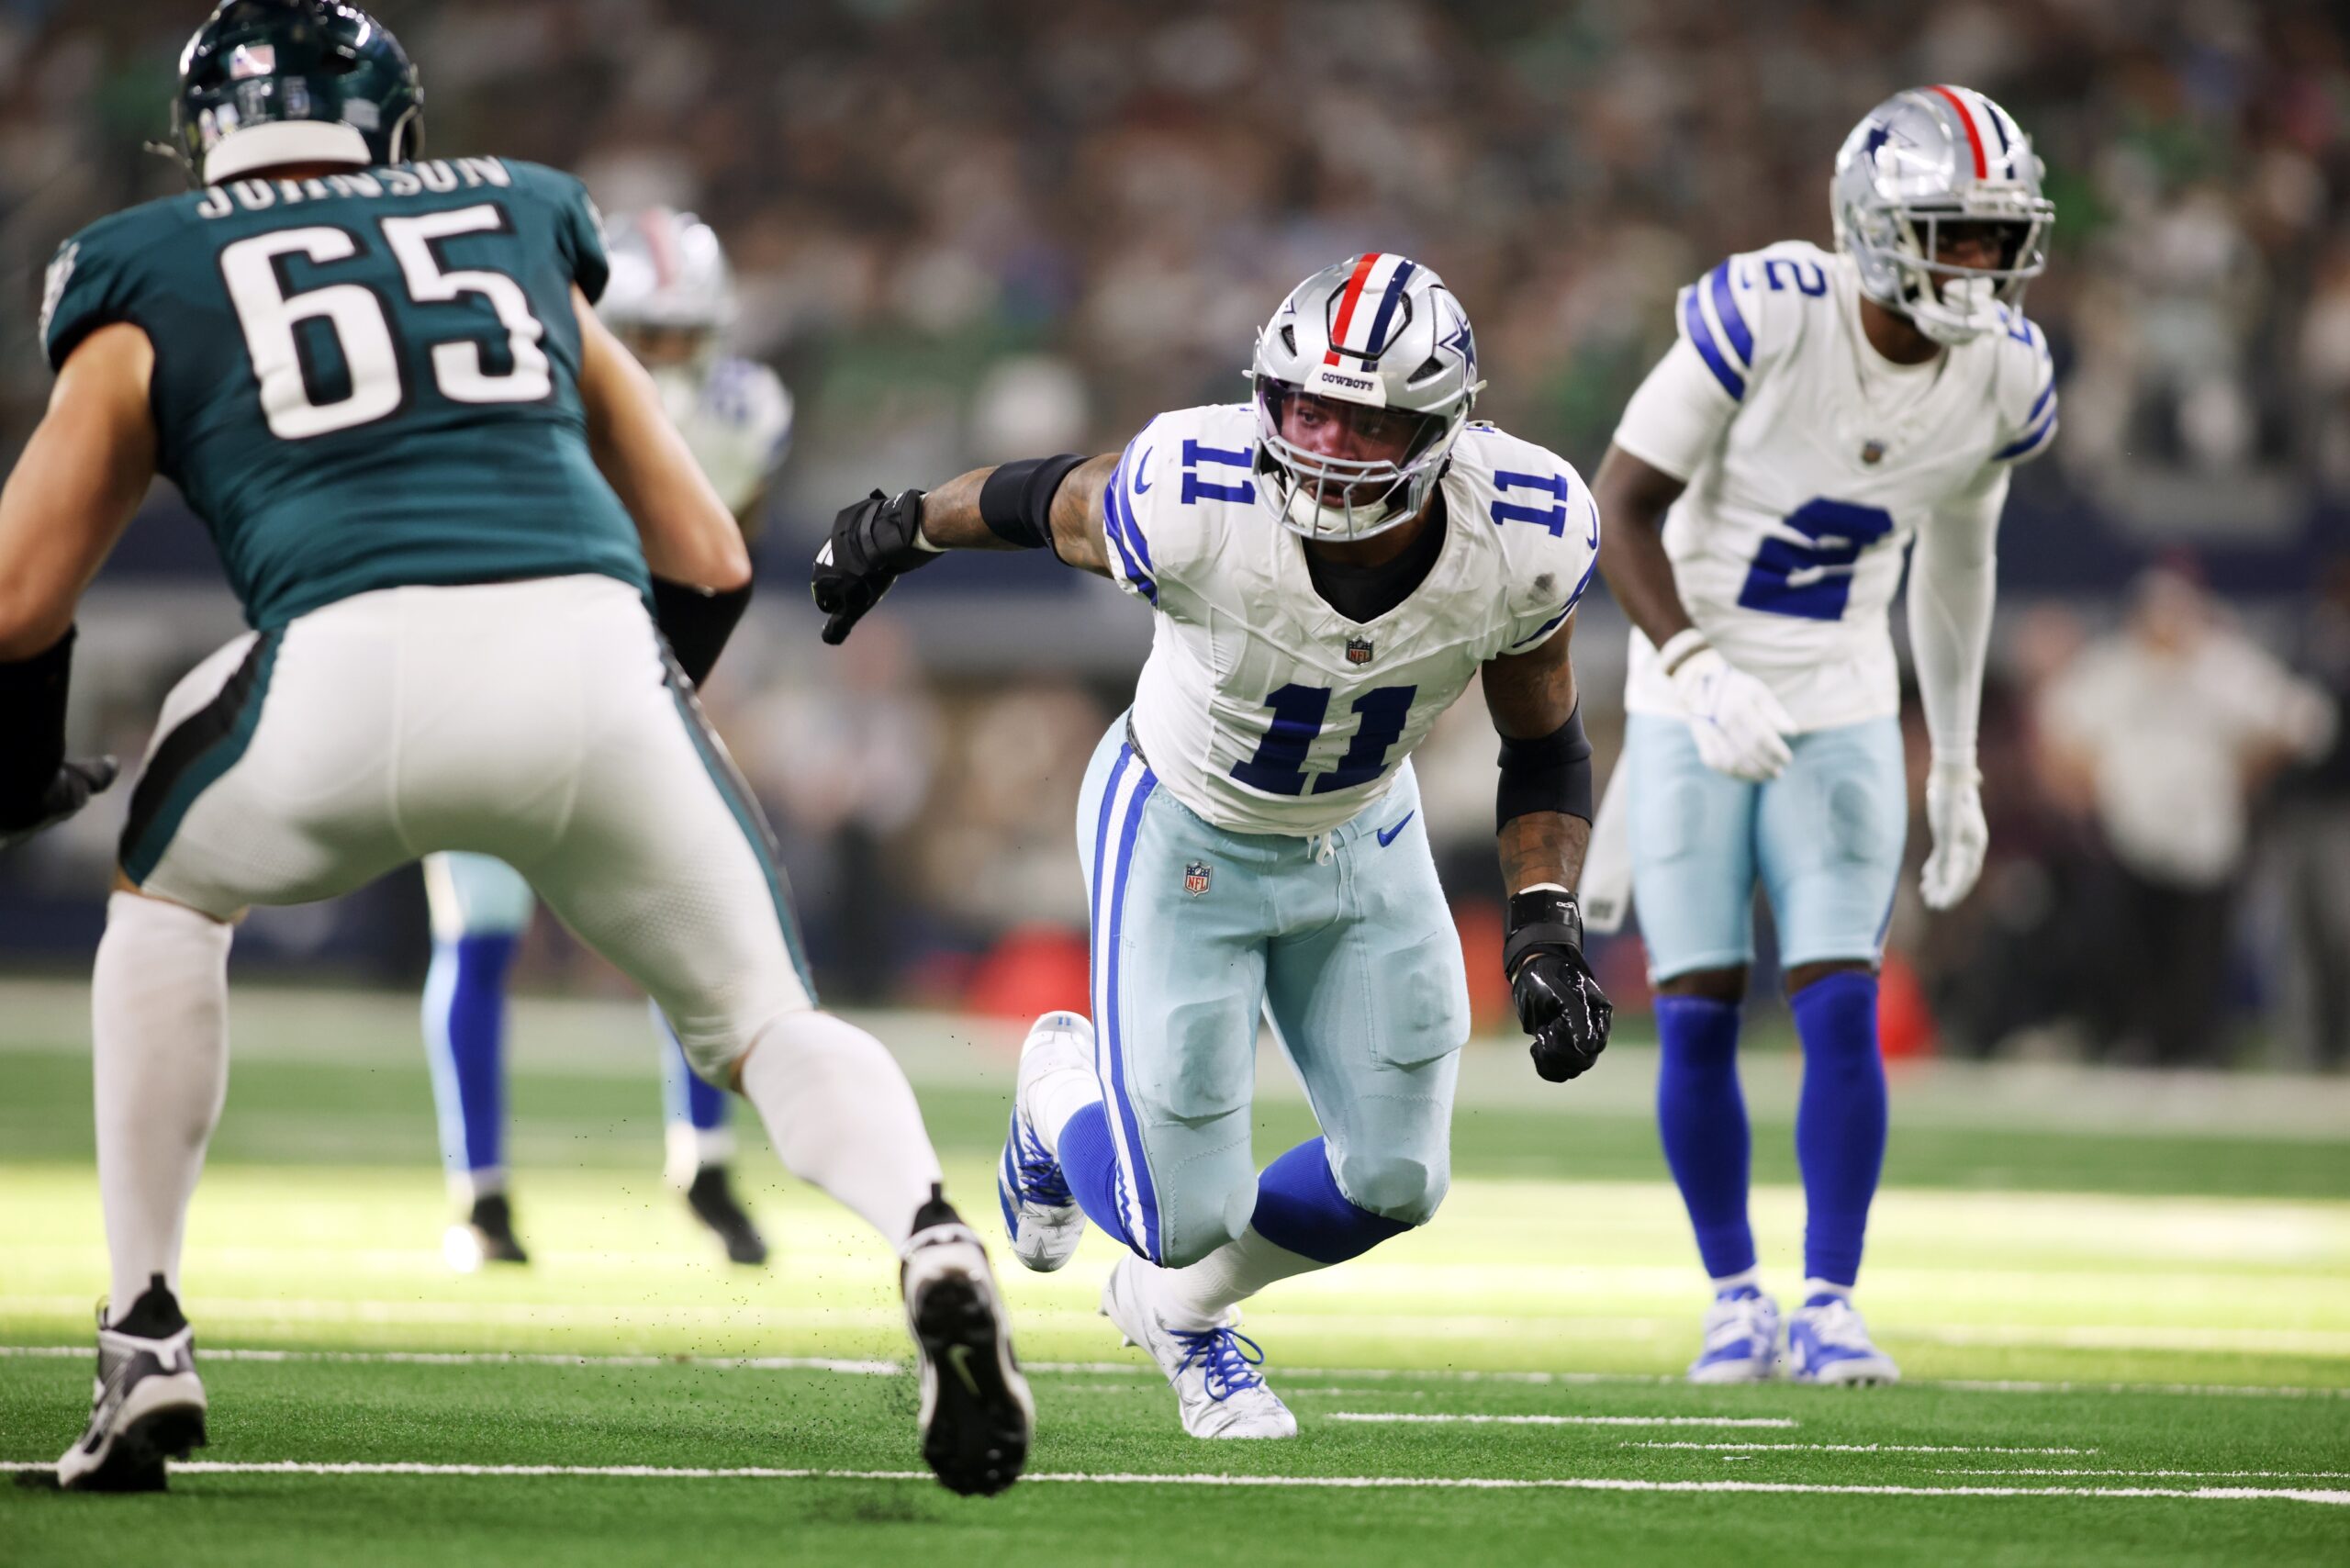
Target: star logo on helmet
[1879, 134]
[1463, 342]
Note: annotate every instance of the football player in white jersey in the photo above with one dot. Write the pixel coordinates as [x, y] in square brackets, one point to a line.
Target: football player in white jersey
[670, 301]
[1330, 566]
[1820, 412]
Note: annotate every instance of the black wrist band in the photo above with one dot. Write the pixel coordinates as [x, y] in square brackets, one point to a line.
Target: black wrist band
[1016, 500]
[1541, 917]
[696, 624]
[32, 715]
[1550, 774]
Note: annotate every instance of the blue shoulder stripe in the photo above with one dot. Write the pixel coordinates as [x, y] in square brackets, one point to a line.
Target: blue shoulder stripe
[2034, 438]
[1701, 337]
[1119, 524]
[1742, 342]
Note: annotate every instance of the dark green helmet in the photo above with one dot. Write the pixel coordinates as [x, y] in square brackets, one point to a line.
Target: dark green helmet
[271, 82]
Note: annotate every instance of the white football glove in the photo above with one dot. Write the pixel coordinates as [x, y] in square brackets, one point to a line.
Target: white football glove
[1739, 724]
[1954, 815]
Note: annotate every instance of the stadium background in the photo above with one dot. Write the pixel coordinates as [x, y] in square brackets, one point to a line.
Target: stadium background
[970, 231]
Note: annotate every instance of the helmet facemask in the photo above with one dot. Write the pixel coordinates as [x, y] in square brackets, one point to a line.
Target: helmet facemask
[1328, 497]
[1948, 302]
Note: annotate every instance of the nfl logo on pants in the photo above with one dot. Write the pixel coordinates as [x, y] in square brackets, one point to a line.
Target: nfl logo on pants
[1195, 878]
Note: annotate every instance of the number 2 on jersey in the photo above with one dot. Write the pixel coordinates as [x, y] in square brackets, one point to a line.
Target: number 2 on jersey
[283, 358]
[1279, 766]
[1813, 580]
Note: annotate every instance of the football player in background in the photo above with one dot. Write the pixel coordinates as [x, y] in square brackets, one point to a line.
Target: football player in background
[1329, 567]
[1820, 412]
[445, 497]
[670, 302]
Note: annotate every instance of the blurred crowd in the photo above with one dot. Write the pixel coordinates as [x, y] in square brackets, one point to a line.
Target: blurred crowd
[972, 230]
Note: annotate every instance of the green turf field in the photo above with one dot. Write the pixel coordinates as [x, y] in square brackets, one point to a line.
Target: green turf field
[2120, 1301]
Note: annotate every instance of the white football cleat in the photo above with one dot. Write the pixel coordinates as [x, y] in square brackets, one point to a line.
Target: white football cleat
[1742, 1338]
[1827, 1343]
[1216, 1382]
[147, 1405]
[977, 1416]
[1039, 1213]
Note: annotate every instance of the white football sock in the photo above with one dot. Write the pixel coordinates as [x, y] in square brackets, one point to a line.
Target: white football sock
[159, 1018]
[1826, 1287]
[1061, 1095]
[1198, 1295]
[843, 1116]
[691, 1147]
[1740, 1280]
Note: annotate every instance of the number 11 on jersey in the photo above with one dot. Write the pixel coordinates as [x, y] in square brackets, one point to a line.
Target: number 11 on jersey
[1279, 766]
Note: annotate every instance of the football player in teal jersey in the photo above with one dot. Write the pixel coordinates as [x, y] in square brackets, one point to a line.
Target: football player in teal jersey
[483, 575]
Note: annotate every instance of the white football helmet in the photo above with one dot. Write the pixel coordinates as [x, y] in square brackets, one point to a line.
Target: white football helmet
[1934, 156]
[1378, 343]
[668, 273]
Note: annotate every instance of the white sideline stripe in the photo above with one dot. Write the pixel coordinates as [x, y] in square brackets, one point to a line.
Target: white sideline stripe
[1566, 1420]
[1130, 1369]
[1852, 1448]
[2201, 1475]
[1346, 1482]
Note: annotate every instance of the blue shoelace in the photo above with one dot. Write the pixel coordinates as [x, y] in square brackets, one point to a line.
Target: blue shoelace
[1227, 1369]
[1041, 1181]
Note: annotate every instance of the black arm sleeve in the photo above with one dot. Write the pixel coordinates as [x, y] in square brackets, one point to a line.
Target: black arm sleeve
[32, 721]
[1016, 500]
[1552, 773]
[696, 624]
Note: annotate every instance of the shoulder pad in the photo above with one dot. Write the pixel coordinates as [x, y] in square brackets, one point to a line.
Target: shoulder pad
[578, 226]
[2024, 384]
[1746, 312]
[748, 396]
[1545, 521]
[94, 278]
[1176, 487]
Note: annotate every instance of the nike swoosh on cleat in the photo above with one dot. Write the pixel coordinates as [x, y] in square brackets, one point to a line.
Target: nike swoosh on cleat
[1387, 835]
[1142, 466]
[959, 1357]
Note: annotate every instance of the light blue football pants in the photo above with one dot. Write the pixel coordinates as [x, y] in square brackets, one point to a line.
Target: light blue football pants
[1350, 950]
[1824, 838]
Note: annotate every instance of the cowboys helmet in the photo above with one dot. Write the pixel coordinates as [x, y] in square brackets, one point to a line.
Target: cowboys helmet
[271, 82]
[1925, 160]
[1378, 343]
[668, 273]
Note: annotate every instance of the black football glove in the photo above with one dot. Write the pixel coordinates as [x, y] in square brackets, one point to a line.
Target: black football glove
[872, 545]
[1559, 1000]
[68, 792]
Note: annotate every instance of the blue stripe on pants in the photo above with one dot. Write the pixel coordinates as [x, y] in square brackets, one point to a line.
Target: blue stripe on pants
[1109, 927]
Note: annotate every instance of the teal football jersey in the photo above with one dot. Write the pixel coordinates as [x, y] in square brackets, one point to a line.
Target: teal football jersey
[365, 380]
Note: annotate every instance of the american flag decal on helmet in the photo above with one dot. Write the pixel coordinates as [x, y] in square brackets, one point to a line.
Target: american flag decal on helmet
[1363, 318]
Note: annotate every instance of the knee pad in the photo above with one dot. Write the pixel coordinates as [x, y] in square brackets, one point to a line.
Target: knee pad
[1403, 1190]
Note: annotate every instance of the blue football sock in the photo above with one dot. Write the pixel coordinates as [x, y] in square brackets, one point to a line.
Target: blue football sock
[1299, 1207]
[1701, 1117]
[464, 1037]
[1089, 1165]
[685, 1097]
[1840, 1120]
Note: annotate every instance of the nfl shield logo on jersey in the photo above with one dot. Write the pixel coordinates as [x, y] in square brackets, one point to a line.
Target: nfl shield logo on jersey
[1873, 453]
[1195, 878]
[1358, 651]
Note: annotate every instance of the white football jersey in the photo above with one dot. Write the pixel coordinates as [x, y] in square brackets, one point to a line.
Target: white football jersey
[1811, 461]
[737, 419]
[1261, 707]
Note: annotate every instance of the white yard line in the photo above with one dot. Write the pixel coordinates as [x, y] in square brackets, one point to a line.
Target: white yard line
[1848, 1447]
[1341, 1482]
[2194, 1474]
[1359, 1375]
[1564, 1420]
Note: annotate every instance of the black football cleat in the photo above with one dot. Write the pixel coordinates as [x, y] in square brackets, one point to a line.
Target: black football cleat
[711, 1197]
[148, 1405]
[976, 1414]
[485, 1236]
